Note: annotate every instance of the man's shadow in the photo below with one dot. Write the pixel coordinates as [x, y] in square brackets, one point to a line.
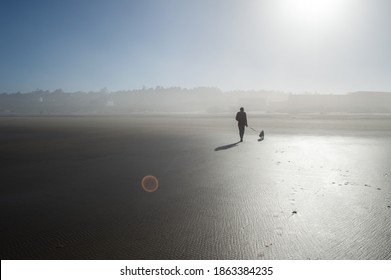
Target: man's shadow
[225, 147]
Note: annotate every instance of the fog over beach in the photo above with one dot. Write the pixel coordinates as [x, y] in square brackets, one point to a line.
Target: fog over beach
[118, 135]
[201, 100]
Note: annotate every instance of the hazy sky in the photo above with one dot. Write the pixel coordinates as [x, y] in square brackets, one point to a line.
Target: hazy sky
[292, 45]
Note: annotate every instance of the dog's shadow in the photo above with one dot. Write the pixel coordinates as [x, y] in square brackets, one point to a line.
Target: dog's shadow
[229, 146]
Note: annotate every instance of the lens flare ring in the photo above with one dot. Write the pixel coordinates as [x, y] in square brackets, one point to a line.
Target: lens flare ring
[149, 183]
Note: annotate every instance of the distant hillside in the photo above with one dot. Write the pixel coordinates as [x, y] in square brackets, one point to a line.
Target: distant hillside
[198, 100]
[356, 102]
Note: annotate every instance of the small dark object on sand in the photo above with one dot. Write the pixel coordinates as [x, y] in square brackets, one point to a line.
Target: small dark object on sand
[261, 134]
[388, 206]
[294, 212]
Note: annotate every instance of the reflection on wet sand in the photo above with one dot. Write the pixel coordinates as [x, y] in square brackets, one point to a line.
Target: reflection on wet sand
[72, 189]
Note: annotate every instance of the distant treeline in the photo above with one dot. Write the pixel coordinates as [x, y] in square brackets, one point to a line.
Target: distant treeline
[197, 100]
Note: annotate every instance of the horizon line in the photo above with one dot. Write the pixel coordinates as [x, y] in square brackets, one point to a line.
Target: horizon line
[145, 88]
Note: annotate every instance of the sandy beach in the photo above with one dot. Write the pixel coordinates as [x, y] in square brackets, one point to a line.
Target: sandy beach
[317, 187]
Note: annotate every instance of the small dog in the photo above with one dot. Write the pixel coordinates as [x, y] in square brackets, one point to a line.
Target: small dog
[262, 135]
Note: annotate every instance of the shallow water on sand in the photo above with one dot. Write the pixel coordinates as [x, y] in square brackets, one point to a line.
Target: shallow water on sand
[317, 197]
[73, 189]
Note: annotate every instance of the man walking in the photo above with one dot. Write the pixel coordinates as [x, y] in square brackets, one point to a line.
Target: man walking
[241, 117]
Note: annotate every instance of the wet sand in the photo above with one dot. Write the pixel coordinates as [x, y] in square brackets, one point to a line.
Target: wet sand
[315, 188]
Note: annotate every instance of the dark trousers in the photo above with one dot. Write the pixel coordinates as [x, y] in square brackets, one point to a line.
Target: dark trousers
[241, 131]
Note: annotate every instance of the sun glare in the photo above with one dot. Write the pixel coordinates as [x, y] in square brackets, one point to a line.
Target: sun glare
[312, 13]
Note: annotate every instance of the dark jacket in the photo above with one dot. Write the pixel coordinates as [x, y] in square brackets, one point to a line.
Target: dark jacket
[241, 117]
